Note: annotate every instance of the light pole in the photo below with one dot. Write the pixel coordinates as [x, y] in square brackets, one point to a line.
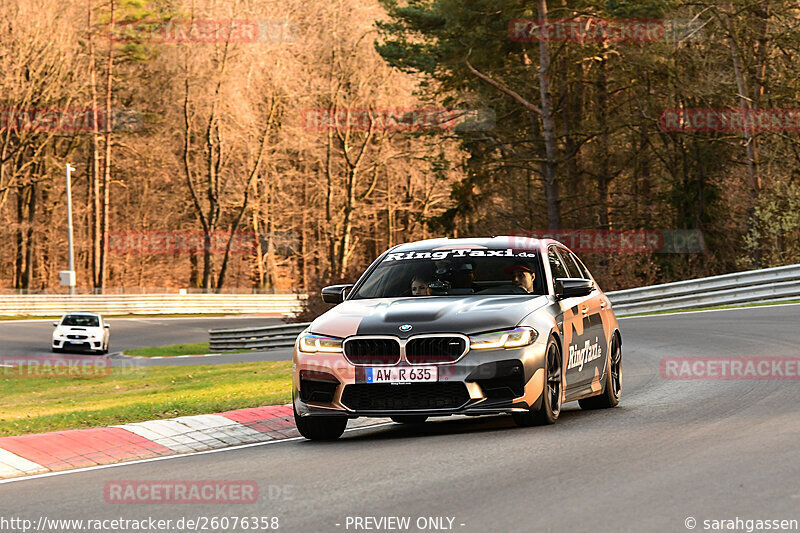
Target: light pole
[70, 274]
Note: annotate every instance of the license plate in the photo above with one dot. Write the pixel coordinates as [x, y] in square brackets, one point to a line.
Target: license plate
[421, 374]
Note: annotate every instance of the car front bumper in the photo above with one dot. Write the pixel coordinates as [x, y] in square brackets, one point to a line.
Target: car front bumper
[481, 382]
[69, 344]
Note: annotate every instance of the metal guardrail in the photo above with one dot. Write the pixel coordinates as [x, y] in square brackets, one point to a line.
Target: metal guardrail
[158, 304]
[254, 338]
[754, 286]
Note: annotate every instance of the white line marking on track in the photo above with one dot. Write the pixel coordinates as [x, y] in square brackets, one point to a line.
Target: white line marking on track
[177, 456]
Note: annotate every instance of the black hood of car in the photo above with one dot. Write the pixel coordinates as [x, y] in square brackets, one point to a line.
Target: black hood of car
[426, 314]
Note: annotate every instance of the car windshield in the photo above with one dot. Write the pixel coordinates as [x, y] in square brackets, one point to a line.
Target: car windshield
[87, 321]
[455, 272]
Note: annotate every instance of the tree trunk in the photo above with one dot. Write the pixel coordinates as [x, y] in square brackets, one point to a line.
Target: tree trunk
[187, 169]
[572, 96]
[94, 171]
[19, 261]
[347, 223]
[103, 275]
[329, 202]
[301, 260]
[27, 275]
[642, 209]
[747, 105]
[207, 266]
[389, 213]
[548, 128]
[194, 279]
[259, 256]
[603, 154]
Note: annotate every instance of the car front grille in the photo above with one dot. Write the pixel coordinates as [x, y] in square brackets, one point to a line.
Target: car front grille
[77, 337]
[423, 350]
[382, 396]
[371, 351]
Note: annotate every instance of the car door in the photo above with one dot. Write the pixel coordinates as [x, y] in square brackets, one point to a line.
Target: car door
[588, 359]
[575, 325]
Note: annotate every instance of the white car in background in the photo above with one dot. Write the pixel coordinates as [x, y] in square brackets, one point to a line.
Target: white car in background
[81, 331]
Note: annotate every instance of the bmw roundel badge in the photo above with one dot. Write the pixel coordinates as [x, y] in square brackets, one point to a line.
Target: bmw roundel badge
[406, 327]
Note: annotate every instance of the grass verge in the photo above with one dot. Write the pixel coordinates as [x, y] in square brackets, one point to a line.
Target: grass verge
[177, 349]
[38, 405]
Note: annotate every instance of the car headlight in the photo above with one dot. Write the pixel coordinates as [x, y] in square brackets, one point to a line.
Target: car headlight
[311, 343]
[509, 338]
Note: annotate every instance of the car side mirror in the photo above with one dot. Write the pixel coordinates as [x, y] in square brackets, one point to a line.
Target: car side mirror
[106, 326]
[55, 324]
[335, 294]
[572, 287]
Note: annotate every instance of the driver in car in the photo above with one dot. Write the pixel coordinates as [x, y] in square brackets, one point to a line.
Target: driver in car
[464, 276]
[455, 276]
[522, 277]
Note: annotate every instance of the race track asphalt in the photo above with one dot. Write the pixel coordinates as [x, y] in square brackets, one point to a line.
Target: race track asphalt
[33, 337]
[672, 450]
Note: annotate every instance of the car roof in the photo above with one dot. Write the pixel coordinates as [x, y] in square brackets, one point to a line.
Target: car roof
[499, 242]
[84, 313]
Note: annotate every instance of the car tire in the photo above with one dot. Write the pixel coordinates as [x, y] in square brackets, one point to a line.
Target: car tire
[56, 350]
[550, 407]
[409, 419]
[324, 428]
[612, 388]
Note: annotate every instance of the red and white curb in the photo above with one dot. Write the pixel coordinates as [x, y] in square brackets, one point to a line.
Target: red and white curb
[79, 448]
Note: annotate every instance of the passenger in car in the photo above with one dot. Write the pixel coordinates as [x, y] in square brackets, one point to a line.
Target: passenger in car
[420, 286]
